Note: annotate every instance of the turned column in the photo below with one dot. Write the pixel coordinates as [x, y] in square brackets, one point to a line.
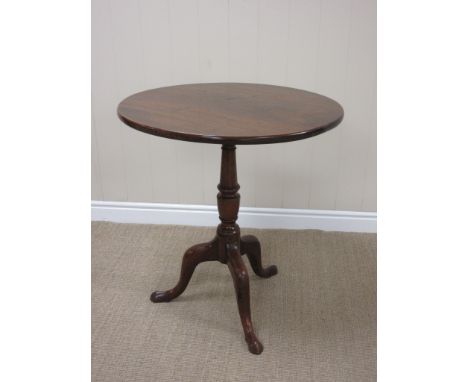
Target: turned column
[228, 202]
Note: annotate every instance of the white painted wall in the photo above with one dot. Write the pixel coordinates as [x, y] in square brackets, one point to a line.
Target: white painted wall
[325, 46]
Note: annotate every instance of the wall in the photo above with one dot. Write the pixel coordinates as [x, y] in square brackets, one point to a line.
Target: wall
[327, 46]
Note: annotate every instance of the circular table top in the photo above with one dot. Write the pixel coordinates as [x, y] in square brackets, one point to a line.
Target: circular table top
[230, 113]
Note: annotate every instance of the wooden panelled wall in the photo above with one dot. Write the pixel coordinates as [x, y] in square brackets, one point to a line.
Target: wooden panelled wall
[325, 46]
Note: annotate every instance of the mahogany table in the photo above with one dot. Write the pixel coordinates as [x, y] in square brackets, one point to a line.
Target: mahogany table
[229, 114]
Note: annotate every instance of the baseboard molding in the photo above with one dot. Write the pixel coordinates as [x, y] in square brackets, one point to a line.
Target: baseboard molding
[249, 217]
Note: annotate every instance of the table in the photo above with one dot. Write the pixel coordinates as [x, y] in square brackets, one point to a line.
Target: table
[229, 114]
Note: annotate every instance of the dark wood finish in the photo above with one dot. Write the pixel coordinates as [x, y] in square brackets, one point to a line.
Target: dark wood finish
[230, 113]
[193, 256]
[241, 285]
[227, 247]
[250, 246]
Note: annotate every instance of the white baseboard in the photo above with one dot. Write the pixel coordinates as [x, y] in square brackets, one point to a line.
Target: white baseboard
[249, 217]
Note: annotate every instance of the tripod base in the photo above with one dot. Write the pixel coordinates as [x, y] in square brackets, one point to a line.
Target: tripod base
[231, 255]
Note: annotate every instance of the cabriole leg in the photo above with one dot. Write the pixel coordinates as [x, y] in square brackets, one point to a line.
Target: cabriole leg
[241, 284]
[250, 246]
[193, 256]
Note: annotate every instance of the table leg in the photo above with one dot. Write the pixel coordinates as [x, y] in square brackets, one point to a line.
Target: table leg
[250, 246]
[193, 256]
[241, 284]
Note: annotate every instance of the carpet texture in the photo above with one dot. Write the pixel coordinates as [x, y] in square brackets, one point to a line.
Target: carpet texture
[316, 317]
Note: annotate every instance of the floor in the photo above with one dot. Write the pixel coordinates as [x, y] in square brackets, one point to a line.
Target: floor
[316, 318]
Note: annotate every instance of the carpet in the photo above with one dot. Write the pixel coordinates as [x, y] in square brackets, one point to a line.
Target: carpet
[316, 318]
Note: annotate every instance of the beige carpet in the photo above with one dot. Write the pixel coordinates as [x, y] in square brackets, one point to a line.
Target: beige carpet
[316, 318]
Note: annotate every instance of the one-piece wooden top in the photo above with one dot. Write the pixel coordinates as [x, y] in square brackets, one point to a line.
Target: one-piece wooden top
[230, 113]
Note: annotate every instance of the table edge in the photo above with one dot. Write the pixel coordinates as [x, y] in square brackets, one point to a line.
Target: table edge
[230, 140]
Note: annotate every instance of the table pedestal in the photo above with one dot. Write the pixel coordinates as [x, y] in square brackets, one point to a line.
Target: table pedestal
[227, 247]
